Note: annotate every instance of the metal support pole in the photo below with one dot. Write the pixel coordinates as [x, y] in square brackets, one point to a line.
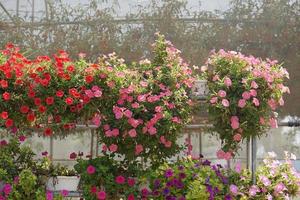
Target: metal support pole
[251, 161]
[17, 8]
[97, 144]
[200, 144]
[51, 148]
[32, 11]
[92, 143]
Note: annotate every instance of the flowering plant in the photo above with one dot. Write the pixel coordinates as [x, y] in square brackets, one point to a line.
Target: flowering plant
[139, 109]
[275, 180]
[104, 178]
[243, 93]
[189, 179]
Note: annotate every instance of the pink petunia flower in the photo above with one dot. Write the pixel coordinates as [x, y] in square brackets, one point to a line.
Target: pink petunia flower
[237, 137]
[222, 93]
[113, 147]
[242, 103]
[246, 95]
[256, 102]
[234, 120]
[254, 85]
[138, 149]
[132, 133]
[227, 82]
[225, 102]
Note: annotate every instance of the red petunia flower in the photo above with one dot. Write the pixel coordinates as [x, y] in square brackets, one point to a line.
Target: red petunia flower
[48, 132]
[71, 68]
[4, 115]
[4, 83]
[69, 101]
[31, 94]
[9, 123]
[31, 117]
[37, 101]
[6, 96]
[89, 79]
[42, 109]
[60, 93]
[73, 155]
[49, 100]
[24, 109]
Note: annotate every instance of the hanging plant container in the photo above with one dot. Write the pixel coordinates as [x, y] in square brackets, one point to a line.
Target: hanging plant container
[200, 89]
[69, 183]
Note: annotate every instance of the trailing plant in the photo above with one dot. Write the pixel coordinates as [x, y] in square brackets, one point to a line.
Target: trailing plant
[104, 178]
[14, 158]
[189, 179]
[275, 180]
[139, 108]
[244, 92]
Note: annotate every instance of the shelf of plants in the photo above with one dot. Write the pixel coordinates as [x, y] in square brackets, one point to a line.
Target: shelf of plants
[138, 111]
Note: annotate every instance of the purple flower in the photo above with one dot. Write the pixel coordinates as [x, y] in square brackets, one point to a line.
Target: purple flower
[156, 183]
[265, 180]
[227, 197]
[170, 198]
[279, 188]
[234, 189]
[206, 162]
[180, 167]
[253, 190]
[182, 175]
[179, 185]
[169, 173]
[166, 191]
[169, 184]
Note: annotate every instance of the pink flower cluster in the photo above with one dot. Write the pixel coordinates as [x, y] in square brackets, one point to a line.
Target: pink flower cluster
[274, 180]
[243, 95]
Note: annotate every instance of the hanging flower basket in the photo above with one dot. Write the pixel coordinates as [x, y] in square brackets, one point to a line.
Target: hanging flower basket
[200, 89]
[243, 94]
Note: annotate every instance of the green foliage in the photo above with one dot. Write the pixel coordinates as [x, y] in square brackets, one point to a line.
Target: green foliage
[14, 158]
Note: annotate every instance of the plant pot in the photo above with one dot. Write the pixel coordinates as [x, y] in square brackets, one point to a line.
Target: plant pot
[59, 183]
[200, 89]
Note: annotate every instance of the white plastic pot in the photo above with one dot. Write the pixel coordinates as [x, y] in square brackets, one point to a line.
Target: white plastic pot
[59, 183]
[200, 89]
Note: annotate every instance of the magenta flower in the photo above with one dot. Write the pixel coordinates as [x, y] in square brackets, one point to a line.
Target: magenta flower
[64, 193]
[90, 169]
[101, 195]
[169, 173]
[7, 189]
[120, 179]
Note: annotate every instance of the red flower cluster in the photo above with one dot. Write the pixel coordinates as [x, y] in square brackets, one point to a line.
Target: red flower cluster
[137, 111]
